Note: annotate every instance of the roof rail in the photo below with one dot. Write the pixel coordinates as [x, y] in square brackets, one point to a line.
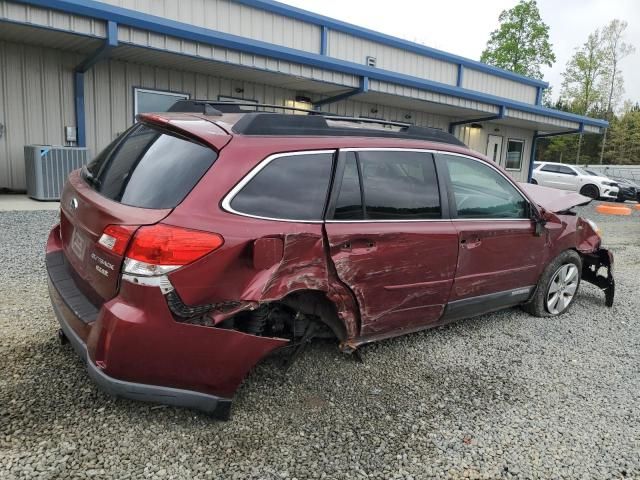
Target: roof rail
[258, 120]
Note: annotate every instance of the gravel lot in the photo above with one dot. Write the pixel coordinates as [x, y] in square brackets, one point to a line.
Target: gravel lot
[500, 396]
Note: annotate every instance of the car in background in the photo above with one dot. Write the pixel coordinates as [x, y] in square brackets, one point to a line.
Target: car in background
[627, 189]
[574, 178]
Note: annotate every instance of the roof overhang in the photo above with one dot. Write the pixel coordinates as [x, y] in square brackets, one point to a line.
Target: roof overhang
[529, 116]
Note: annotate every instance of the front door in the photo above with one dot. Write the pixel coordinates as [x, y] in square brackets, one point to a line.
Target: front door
[494, 148]
[388, 240]
[499, 256]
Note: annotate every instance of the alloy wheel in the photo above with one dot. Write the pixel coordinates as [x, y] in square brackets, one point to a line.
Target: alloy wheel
[562, 289]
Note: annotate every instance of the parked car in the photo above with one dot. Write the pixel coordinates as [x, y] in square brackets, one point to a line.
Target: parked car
[197, 243]
[627, 189]
[574, 178]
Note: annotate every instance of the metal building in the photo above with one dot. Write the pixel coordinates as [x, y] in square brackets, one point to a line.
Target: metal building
[93, 65]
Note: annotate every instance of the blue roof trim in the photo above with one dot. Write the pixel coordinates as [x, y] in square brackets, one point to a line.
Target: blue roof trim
[185, 31]
[367, 34]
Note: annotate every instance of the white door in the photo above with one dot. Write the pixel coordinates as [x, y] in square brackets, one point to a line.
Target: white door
[494, 148]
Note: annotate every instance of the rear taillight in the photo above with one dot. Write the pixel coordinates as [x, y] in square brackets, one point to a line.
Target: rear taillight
[115, 238]
[159, 249]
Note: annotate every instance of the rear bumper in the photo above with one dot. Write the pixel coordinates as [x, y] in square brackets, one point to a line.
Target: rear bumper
[216, 406]
[134, 348]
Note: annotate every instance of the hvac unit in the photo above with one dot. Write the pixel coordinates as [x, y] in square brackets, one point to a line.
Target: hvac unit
[47, 168]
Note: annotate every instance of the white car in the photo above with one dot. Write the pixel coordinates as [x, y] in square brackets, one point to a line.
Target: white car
[574, 178]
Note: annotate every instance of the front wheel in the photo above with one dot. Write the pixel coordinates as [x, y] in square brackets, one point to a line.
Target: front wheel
[590, 191]
[557, 287]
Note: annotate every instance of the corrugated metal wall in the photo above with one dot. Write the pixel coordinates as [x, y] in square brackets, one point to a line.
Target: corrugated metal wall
[229, 17]
[199, 50]
[352, 49]
[501, 87]
[44, 17]
[36, 102]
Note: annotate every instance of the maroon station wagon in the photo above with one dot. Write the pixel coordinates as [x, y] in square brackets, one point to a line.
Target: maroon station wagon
[205, 238]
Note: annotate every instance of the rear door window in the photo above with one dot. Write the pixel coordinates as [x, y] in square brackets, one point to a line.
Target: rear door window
[289, 187]
[388, 185]
[149, 167]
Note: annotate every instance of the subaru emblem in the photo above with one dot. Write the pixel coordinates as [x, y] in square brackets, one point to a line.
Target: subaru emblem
[73, 203]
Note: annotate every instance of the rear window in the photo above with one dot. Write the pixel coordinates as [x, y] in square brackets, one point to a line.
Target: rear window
[289, 187]
[149, 167]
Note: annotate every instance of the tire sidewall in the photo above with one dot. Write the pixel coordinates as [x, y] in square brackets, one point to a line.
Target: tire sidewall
[538, 304]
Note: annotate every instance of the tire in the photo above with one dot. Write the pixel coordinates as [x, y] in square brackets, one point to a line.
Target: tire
[534, 181]
[590, 191]
[542, 303]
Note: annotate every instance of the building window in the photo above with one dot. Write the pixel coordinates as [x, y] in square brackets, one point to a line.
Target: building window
[515, 149]
[145, 100]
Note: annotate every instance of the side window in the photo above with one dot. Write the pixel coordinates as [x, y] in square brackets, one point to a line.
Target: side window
[565, 170]
[550, 168]
[479, 191]
[399, 185]
[291, 187]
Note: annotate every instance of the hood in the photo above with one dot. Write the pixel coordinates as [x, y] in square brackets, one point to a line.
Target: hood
[552, 199]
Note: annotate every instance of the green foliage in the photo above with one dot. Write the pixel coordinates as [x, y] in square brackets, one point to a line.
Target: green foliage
[582, 74]
[521, 42]
[623, 146]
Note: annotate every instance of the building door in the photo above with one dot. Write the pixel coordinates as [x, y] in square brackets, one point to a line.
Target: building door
[494, 148]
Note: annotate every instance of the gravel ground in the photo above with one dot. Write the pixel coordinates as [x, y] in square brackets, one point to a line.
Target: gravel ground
[500, 396]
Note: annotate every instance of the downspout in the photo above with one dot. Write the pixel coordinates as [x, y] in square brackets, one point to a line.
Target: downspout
[501, 114]
[78, 78]
[363, 88]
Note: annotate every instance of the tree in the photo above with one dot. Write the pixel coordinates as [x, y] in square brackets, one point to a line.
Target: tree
[612, 84]
[580, 79]
[582, 74]
[521, 42]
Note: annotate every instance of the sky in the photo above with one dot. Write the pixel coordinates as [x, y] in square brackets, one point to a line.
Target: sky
[463, 27]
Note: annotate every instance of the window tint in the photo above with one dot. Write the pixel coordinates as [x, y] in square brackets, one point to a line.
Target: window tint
[399, 185]
[515, 149]
[565, 170]
[349, 201]
[550, 168]
[481, 192]
[150, 168]
[290, 187]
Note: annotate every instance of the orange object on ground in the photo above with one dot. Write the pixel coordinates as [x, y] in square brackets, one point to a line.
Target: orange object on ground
[637, 206]
[607, 209]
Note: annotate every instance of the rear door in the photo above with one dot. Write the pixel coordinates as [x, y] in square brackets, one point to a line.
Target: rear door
[137, 180]
[388, 238]
[500, 257]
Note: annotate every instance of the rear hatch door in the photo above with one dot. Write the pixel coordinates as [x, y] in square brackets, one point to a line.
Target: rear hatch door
[135, 181]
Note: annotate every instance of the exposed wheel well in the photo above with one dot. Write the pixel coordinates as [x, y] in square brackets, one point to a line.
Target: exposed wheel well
[292, 317]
